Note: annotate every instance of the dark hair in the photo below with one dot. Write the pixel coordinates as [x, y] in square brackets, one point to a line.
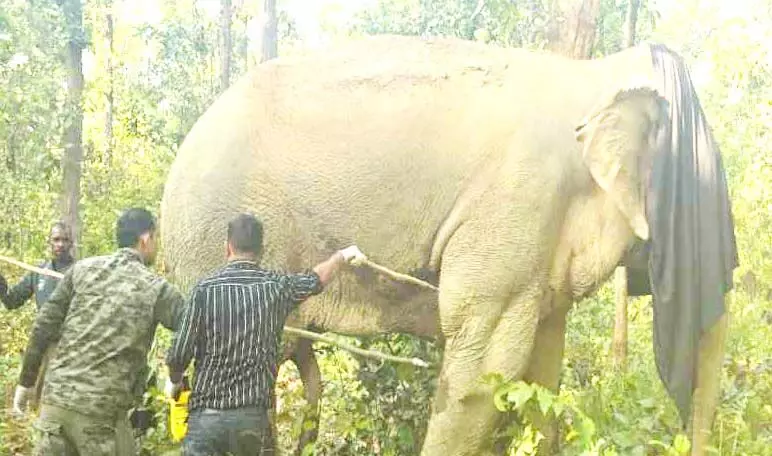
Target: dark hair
[132, 224]
[62, 225]
[245, 234]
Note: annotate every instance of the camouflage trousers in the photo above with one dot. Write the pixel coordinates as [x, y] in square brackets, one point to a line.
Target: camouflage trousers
[62, 432]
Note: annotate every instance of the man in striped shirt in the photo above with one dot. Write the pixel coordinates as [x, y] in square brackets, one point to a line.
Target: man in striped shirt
[233, 329]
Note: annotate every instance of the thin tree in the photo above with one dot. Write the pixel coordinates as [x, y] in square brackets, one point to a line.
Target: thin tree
[110, 32]
[227, 44]
[73, 134]
[619, 341]
[573, 28]
[631, 20]
[270, 40]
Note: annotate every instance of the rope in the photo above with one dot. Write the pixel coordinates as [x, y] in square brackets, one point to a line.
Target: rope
[396, 275]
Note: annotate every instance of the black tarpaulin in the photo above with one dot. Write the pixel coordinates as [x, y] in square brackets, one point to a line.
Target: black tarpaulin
[692, 251]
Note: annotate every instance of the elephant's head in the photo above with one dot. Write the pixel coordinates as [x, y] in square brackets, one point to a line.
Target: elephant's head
[619, 141]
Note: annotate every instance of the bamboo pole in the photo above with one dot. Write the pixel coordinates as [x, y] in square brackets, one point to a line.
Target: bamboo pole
[358, 351]
[29, 267]
[296, 331]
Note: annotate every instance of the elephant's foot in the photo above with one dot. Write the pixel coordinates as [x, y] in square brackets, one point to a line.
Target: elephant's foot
[463, 428]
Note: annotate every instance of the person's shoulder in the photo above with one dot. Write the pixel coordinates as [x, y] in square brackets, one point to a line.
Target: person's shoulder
[91, 262]
[216, 276]
[88, 268]
[268, 274]
[281, 277]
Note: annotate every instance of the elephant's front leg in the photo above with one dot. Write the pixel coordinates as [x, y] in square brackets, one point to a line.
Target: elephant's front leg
[544, 369]
[489, 322]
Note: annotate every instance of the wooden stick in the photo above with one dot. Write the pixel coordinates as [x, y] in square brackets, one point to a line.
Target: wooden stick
[358, 351]
[396, 275]
[28, 267]
[296, 331]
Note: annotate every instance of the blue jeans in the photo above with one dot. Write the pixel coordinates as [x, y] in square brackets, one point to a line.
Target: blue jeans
[242, 431]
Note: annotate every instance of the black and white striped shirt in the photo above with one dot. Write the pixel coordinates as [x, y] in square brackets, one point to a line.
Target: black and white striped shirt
[232, 327]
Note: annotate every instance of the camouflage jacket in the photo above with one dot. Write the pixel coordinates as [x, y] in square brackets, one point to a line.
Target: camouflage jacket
[39, 285]
[104, 313]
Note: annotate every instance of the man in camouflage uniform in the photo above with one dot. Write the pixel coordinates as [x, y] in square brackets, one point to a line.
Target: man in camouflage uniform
[41, 286]
[104, 313]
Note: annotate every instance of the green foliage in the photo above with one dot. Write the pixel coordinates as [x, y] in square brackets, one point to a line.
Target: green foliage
[532, 404]
[30, 97]
[368, 407]
[501, 21]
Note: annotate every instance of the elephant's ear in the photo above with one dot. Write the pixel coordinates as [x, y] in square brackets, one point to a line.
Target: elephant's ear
[619, 141]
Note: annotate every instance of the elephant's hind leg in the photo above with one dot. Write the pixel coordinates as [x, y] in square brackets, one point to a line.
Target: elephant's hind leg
[305, 360]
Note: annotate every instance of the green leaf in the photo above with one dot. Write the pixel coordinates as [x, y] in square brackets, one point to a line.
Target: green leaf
[308, 450]
[558, 407]
[521, 394]
[405, 436]
[501, 396]
[545, 399]
[681, 444]
[648, 403]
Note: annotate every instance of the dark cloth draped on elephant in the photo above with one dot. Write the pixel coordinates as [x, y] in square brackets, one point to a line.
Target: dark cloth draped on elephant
[692, 253]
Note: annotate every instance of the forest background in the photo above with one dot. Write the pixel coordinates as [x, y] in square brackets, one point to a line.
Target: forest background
[97, 95]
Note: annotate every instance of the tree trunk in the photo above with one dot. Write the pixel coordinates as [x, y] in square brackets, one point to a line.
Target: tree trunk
[572, 30]
[225, 38]
[110, 92]
[73, 134]
[630, 22]
[619, 342]
[270, 40]
[620, 277]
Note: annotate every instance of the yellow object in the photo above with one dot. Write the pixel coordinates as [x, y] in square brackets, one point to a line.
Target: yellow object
[178, 416]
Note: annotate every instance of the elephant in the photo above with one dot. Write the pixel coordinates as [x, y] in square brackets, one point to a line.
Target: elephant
[514, 180]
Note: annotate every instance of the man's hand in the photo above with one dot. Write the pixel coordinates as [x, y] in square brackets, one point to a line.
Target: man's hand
[353, 255]
[20, 400]
[326, 269]
[173, 390]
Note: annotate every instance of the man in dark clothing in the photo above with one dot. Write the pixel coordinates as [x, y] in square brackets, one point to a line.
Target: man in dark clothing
[41, 286]
[233, 327]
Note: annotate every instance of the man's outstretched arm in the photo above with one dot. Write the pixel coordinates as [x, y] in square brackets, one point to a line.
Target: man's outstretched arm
[299, 287]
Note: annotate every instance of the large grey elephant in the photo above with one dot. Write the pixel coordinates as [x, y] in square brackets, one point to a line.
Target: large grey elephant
[515, 180]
